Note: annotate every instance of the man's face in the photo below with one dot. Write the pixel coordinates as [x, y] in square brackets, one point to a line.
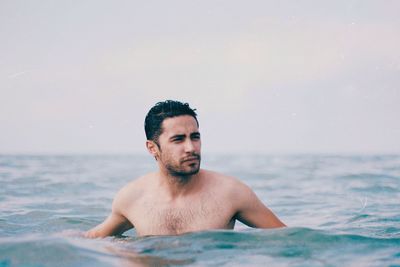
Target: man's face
[180, 146]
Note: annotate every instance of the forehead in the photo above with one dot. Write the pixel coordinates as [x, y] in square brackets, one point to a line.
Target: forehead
[179, 125]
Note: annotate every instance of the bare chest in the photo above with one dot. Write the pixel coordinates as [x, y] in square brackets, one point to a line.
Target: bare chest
[154, 217]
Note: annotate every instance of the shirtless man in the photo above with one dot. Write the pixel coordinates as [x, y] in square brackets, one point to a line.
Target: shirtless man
[180, 197]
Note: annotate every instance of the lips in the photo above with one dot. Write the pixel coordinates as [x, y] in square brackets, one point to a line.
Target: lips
[191, 159]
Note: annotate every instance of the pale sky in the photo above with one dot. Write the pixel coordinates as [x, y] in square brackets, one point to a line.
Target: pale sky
[265, 76]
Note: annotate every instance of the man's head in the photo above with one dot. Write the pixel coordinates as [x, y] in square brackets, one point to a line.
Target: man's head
[173, 137]
[162, 111]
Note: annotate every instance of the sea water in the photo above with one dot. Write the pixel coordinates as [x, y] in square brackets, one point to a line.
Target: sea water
[341, 211]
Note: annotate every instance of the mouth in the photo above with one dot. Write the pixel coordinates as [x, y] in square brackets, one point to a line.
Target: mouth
[191, 159]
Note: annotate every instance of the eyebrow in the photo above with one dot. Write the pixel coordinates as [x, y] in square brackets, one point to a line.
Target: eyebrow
[183, 135]
[177, 136]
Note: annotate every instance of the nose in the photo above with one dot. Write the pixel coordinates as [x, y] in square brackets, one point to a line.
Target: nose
[189, 146]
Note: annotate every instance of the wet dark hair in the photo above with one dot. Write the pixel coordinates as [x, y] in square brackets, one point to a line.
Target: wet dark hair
[161, 111]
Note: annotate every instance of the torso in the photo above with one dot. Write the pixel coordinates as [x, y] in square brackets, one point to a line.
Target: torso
[208, 208]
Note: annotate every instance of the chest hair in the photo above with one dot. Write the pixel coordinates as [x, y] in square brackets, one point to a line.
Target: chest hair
[178, 219]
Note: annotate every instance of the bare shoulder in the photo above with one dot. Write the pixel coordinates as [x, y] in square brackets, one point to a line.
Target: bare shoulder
[132, 191]
[243, 201]
[226, 182]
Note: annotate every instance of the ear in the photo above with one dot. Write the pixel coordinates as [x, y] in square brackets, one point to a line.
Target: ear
[153, 148]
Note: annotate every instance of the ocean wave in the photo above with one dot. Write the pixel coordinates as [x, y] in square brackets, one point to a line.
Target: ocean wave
[203, 248]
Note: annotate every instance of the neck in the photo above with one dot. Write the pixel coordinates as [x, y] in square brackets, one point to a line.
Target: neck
[177, 185]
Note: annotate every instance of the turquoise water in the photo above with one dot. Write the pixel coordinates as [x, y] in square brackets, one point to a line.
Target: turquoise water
[342, 211]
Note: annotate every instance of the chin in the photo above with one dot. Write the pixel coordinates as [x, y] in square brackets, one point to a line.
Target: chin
[190, 172]
[182, 173]
[194, 171]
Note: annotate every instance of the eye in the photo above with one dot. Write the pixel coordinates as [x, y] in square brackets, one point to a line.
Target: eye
[196, 137]
[177, 139]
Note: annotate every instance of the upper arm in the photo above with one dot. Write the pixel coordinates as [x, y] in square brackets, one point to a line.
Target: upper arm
[252, 212]
[116, 223]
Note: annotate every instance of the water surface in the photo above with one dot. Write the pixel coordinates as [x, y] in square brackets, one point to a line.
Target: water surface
[342, 211]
